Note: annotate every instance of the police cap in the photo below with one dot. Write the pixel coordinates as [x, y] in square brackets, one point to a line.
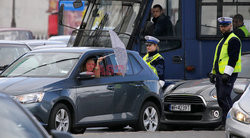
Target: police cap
[225, 21]
[151, 40]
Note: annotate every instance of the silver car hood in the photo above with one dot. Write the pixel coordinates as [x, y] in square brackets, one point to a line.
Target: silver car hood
[193, 87]
[22, 85]
[203, 87]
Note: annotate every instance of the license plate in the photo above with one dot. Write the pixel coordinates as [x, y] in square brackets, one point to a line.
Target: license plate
[180, 107]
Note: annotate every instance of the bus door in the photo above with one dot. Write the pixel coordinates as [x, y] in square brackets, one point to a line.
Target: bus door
[170, 46]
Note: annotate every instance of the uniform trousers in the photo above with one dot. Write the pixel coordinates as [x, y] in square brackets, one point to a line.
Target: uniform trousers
[224, 94]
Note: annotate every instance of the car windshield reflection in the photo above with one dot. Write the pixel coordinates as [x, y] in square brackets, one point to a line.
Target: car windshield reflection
[43, 64]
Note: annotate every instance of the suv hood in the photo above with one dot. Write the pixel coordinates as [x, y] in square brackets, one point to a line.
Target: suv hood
[23, 85]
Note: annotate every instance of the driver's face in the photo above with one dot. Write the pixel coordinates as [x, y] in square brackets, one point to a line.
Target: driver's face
[90, 65]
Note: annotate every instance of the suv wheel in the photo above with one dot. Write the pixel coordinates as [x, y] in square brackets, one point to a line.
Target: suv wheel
[149, 118]
[60, 118]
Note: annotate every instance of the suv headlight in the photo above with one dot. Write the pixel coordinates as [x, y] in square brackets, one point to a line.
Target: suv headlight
[30, 98]
[240, 115]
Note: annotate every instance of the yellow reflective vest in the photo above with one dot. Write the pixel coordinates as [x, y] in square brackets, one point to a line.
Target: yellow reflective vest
[224, 58]
[244, 29]
[150, 60]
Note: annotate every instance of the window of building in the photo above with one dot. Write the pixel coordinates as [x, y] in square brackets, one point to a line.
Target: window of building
[210, 10]
[166, 27]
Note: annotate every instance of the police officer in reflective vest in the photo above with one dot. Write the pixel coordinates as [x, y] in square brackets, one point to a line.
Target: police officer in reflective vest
[226, 65]
[154, 60]
[238, 26]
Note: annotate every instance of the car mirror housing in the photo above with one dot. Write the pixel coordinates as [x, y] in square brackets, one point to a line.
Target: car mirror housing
[86, 75]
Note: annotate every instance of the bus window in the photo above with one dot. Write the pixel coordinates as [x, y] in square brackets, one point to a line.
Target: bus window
[210, 10]
[169, 32]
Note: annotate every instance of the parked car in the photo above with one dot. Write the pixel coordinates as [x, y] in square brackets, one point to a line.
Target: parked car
[15, 34]
[10, 51]
[238, 118]
[49, 46]
[63, 38]
[194, 102]
[18, 122]
[36, 43]
[51, 84]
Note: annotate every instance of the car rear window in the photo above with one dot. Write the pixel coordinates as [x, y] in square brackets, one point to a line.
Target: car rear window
[135, 64]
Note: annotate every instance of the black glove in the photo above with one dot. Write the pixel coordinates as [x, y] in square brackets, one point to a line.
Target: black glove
[212, 77]
[225, 78]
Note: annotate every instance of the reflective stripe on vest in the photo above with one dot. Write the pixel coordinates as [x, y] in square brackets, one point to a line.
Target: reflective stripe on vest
[150, 60]
[244, 29]
[223, 59]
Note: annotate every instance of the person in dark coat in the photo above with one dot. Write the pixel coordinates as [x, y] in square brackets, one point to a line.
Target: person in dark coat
[162, 24]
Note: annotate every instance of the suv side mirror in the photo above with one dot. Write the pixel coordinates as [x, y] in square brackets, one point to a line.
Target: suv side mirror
[60, 134]
[86, 75]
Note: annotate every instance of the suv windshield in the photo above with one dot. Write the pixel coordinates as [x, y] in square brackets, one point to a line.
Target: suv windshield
[105, 15]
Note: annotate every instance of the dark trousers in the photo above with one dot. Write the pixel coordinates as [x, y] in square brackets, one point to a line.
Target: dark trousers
[224, 94]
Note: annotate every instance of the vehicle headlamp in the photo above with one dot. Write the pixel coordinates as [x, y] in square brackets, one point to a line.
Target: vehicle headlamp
[30, 98]
[213, 94]
[240, 115]
[169, 88]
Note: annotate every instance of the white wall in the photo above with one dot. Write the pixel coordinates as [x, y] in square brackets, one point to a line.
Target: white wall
[30, 14]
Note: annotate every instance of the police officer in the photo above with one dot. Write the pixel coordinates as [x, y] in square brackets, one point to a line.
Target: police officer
[226, 65]
[154, 60]
[239, 28]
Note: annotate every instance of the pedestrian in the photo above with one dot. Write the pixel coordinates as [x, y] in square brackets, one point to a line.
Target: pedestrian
[153, 58]
[238, 26]
[226, 65]
[162, 24]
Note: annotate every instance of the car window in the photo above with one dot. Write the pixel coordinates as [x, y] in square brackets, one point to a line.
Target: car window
[15, 123]
[113, 68]
[135, 64]
[16, 35]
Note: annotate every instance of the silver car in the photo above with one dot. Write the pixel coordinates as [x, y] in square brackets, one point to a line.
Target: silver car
[238, 118]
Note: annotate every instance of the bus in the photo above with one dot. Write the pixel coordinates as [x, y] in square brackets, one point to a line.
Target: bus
[188, 53]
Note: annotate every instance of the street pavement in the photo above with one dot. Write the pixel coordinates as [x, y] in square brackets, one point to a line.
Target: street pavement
[127, 133]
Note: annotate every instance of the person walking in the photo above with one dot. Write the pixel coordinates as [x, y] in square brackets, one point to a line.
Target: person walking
[226, 65]
[238, 26]
[153, 58]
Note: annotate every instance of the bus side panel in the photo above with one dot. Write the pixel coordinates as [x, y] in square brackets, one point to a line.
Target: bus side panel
[199, 54]
[174, 70]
